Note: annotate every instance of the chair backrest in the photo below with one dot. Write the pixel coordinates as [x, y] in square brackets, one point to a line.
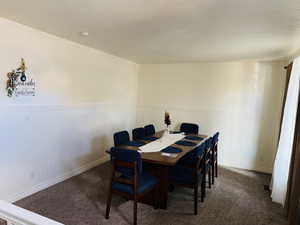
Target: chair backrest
[138, 133]
[126, 162]
[149, 130]
[198, 151]
[189, 128]
[208, 148]
[215, 138]
[201, 153]
[195, 156]
[121, 138]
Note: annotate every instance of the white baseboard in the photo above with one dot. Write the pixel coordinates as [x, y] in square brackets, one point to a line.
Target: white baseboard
[257, 170]
[65, 176]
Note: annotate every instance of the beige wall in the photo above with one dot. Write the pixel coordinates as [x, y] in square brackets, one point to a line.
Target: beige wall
[242, 100]
[83, 97]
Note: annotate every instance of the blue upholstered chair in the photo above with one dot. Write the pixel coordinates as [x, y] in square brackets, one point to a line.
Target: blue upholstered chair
[122, 138]
[192, 157]
[208, 162]
[214, 159]
[131, 182]
[189, 128]
[149, 130]
[190, 173]
[139, 134]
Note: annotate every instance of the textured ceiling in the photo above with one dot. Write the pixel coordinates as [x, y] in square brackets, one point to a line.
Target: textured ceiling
[168, 31]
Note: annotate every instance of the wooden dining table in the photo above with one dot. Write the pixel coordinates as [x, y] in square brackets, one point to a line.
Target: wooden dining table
[161, 163]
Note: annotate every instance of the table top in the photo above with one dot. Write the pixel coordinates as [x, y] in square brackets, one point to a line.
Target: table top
[158, 158]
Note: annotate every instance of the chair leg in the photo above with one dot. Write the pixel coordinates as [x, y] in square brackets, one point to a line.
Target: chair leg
[196, 199]
[203, 188]
[135, 211]
[217, 168]
[108, 203]
[213, 174]
[209, 178]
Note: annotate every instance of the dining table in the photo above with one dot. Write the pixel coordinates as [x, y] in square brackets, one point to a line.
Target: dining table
[161, 163]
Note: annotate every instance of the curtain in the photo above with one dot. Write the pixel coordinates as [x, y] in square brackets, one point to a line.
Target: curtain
[287, 81]
[284, 152]
[293, 195]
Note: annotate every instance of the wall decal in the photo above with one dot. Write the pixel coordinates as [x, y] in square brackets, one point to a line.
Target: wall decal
[18, 83]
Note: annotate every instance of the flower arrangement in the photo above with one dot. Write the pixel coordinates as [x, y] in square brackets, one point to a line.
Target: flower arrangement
[167, 119]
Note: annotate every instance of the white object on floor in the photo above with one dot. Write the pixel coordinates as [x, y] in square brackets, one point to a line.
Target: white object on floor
[283, 157]
[165, 141]
[15, 215]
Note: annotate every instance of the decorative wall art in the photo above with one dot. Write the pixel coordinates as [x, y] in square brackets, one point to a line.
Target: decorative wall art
[19, 82]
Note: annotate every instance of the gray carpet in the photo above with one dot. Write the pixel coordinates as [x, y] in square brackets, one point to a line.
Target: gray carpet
[237, 198]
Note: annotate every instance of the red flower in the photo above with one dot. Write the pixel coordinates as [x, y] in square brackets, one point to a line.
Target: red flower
[167, 119]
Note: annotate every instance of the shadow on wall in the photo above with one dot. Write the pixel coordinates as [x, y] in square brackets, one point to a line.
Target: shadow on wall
[177, 127]
[240, 100]
[99, 145]
[271, 96]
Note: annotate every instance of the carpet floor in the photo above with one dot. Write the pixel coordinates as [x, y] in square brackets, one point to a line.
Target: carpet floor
[237, 198]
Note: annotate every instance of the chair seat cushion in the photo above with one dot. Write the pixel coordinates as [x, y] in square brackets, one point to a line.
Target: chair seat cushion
[135, 143]
[146, 181]
[183, 175]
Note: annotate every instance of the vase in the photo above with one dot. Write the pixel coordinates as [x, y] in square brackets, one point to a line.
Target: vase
[168, 130]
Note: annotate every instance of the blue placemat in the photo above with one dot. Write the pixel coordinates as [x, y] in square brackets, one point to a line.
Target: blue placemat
[194, 138]
[171, 149]
[185, 143]
[150, 138]
[135, 143]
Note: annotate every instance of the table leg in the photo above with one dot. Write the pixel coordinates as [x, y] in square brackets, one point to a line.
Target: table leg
[162, 174]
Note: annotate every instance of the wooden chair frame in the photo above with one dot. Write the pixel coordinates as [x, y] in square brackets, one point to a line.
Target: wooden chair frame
[207, 169]
[134, 182]
[198, 168]
[214, 161]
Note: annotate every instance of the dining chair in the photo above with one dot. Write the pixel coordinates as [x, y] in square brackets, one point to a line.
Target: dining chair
[149, 130]
[139, 134]
[189, 172]
[131, 182]
[189, 128]
[122, 138]
[214, 159]
[207, 164]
